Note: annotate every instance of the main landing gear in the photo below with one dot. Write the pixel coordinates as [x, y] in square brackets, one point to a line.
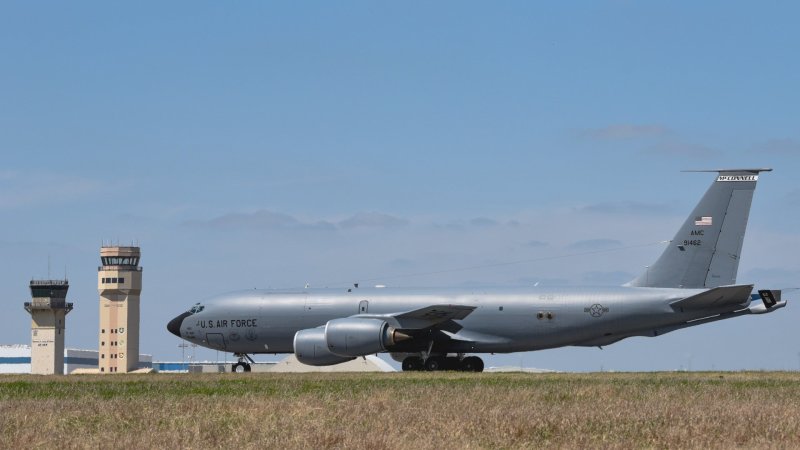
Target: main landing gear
[242, 366]
[436, 363]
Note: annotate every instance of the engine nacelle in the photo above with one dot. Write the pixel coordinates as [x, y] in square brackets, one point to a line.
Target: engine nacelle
[359, 337]
[310, 348]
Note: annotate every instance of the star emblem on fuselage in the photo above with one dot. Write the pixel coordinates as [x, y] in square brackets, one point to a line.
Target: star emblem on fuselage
[596, 310]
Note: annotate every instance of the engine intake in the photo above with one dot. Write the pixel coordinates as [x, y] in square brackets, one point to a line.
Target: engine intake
[310, 348]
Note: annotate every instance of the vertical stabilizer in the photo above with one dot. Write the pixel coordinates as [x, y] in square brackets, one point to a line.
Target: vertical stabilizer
[705, 252]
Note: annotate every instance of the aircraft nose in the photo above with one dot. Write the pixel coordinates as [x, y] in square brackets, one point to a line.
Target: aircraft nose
[174, 325]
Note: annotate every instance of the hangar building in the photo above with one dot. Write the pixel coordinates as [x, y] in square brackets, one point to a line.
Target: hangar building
[17, 359]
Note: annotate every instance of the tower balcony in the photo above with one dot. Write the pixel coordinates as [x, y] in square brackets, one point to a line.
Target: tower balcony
[119, 267]
[44, 304]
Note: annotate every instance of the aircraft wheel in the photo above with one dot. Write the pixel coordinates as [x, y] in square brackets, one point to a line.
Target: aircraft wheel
[434, 364]
[451, 363]
[472, 364]
[412, 364]
[240, 367]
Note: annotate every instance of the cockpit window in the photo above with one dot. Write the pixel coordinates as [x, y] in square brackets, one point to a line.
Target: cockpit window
[196, 308]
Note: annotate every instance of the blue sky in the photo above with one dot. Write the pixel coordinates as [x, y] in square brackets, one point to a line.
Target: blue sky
[272, 145]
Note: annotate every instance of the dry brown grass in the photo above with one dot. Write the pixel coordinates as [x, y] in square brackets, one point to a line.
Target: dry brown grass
[405, 410]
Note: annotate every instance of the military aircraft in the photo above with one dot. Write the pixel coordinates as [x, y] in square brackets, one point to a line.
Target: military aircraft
[692, 283]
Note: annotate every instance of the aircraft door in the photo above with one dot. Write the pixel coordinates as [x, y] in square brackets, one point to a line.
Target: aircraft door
[215, 340]
[363, 307]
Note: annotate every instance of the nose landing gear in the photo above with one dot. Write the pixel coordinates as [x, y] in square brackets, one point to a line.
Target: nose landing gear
[242, 365]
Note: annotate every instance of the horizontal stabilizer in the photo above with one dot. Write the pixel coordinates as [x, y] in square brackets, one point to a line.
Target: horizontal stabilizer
[717, 297]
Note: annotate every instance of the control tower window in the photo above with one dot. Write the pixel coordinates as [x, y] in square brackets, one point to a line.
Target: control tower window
[119, 261]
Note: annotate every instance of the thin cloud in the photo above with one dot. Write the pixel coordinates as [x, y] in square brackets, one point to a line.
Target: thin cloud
[34, 189]
[477, 222]
[786, 146]
[775, 277]
[483, 222]
[453, 225]
[682, 149]
[606, 278]
[794, 197]
[372, 220]
[261, 219]
[402, 264]
[595, 244]
[624, 207]
[271, 220]
[536, 244]
[774, 272]
[625, 132]
[541, 281]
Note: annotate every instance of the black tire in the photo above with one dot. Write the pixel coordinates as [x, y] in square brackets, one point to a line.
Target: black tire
[451, 363]
[472, 364]
[434, 364]
[240, 367]
[412, 364]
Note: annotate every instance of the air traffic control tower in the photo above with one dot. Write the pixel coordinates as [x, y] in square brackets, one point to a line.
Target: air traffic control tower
[48, 309]
[119, 281]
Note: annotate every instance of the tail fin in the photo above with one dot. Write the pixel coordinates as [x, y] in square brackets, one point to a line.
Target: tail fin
[705, 252]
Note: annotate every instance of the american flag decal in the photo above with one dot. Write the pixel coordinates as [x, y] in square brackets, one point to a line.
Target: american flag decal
[703, 221]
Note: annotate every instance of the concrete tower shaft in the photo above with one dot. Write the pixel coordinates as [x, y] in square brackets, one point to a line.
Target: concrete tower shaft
[119, 280]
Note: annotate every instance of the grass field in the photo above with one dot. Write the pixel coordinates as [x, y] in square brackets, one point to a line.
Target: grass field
[402, 410]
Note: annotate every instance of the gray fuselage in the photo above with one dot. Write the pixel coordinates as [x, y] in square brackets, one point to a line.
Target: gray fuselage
[505, 320]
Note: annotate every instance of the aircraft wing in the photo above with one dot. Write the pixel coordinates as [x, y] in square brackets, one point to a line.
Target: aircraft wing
[427, 317]
[712, 298]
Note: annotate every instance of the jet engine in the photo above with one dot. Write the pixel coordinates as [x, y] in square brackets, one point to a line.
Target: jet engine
[310, 348]
[359, 337]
